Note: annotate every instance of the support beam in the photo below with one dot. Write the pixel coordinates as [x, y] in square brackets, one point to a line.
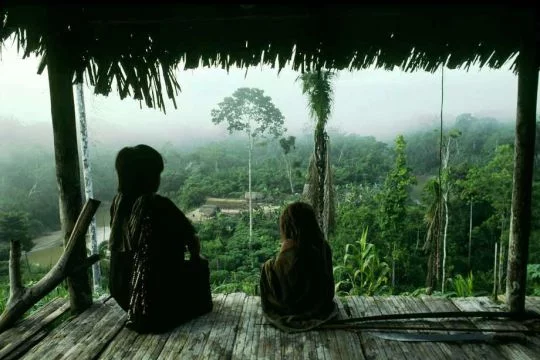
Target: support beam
[88, 184]
[24, 298]
[520, 222]
[67, 165]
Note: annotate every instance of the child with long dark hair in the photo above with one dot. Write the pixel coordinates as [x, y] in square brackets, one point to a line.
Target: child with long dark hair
[297, 287]
[149, 277]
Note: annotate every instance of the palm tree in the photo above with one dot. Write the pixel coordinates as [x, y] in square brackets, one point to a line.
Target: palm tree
[317, 85]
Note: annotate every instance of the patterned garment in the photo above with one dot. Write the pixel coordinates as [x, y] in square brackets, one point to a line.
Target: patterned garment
[297, 288]
[140, 230]
[149, 277]
[123, 233]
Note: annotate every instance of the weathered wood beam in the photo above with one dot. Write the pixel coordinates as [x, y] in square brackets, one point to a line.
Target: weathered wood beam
[67, 265]
[15, 277]
[67, 163]
[520, 225]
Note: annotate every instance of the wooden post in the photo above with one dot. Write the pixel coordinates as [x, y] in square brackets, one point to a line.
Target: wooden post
[520, 222]
[67, 164]
[88, 184]
[22, 299]
[15, 277]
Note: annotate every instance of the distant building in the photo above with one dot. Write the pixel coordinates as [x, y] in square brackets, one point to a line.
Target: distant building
[231, 211]
[208, 210]
[224, 203]
[255, 196]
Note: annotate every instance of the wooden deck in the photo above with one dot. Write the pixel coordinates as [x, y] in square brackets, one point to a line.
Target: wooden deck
[237, 330]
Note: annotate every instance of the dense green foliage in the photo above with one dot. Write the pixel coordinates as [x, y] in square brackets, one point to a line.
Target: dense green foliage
[362, 272]
[14, 227]
[375, 189]
[392, 212]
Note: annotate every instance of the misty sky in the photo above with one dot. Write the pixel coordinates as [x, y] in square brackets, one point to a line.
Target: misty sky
[369, 102]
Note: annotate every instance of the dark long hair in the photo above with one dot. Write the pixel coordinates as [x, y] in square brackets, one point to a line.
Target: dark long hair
[299, 224]
[139, 169]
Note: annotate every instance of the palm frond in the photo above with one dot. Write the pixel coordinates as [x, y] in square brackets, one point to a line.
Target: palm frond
[153, 40]
[317, 86]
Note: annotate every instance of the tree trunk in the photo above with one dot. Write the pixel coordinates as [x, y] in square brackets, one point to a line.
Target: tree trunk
[495, 274]
[320, 165]
[501, 267]
[429, 275]
[432, 245]
[288, 170]
[88, 186]
[518, 251]
[340, 154]
[67, 165]
[249, 186]
[437, 257]
[27, 263]
[470, 236]
[68, 264]
[328, 202]
[443, 280]
[394, 268]
[445, 200]
[290, 180]
[15, 278]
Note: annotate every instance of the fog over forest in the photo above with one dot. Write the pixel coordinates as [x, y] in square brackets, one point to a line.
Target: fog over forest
[371, 102]
[385, 142]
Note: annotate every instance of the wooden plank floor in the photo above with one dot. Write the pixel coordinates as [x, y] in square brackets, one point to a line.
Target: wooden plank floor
[236, 329]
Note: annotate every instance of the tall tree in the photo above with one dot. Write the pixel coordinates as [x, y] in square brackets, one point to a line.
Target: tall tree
[469, 193]
[537, 146]
[432, 245]
[393, 199]
[447, 183]
[493, 184]
[317, 85]
[249, 110]
[287, 144]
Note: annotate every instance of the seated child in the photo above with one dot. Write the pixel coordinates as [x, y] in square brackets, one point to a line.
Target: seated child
[297, 287]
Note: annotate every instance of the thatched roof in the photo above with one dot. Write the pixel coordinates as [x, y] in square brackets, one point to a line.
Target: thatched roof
[139, 46]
